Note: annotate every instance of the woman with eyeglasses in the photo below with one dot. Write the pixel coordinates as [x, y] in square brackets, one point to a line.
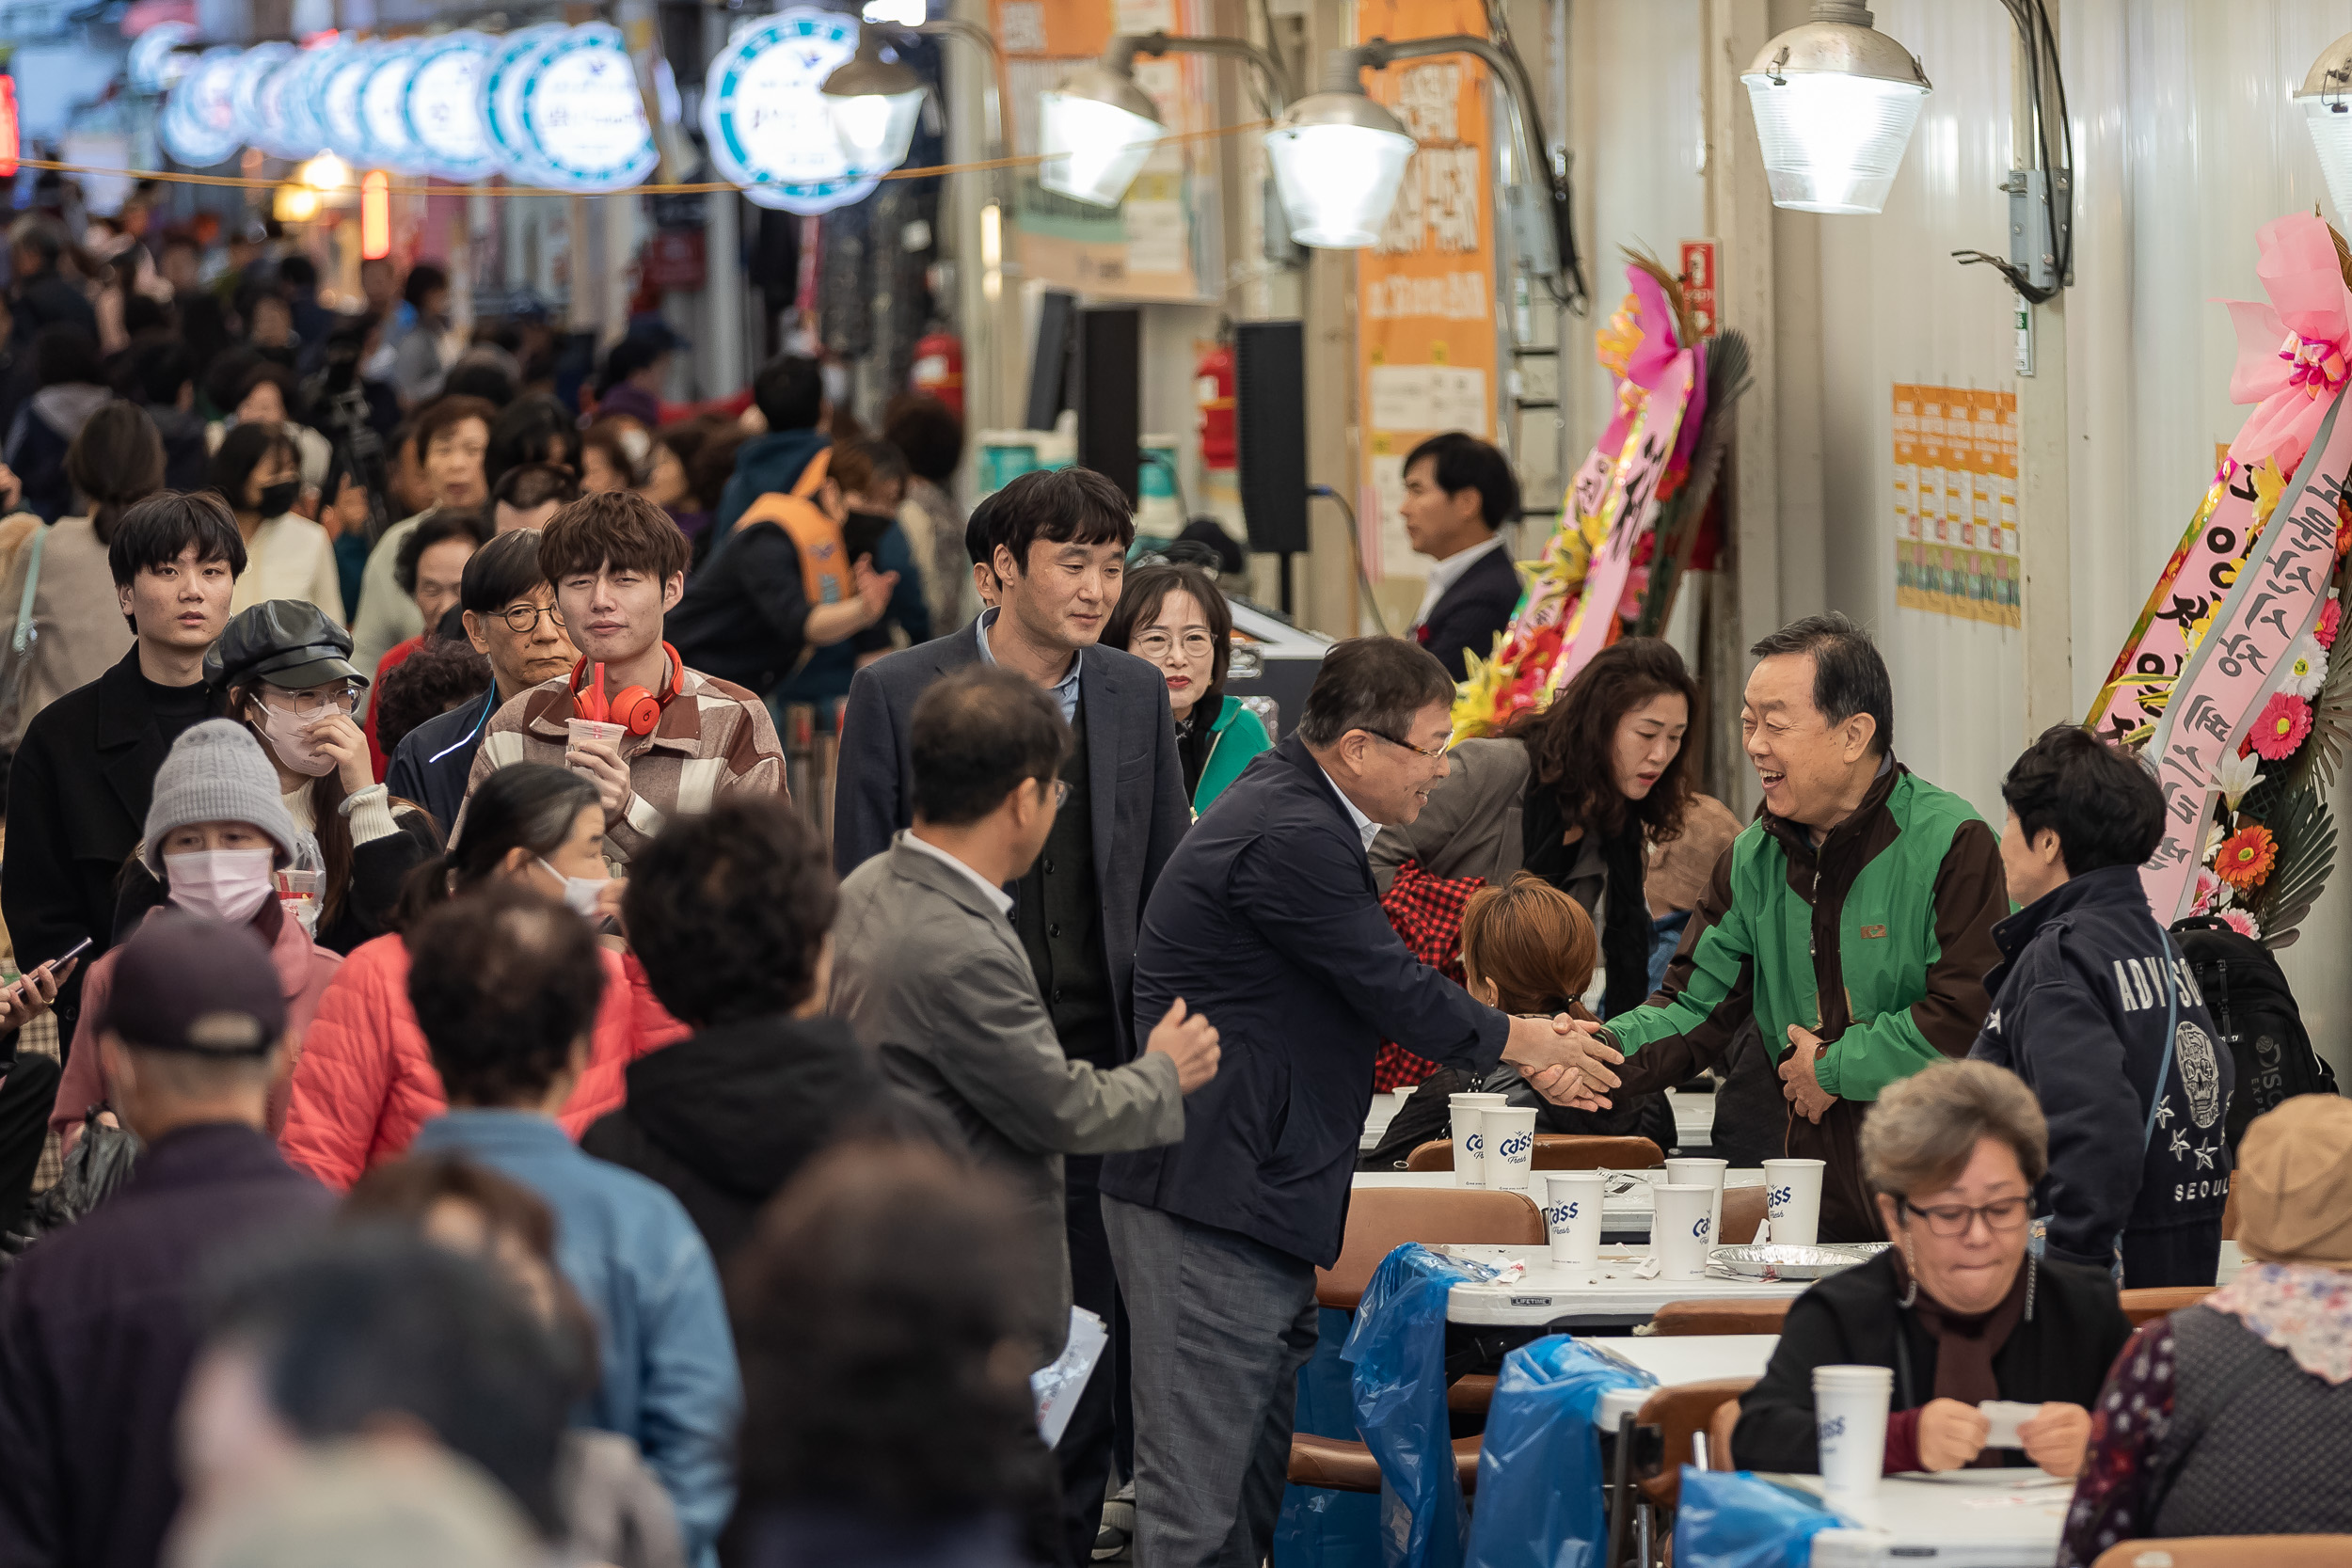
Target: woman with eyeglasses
[286, 672]
[1956, 1308]
[1172, 616]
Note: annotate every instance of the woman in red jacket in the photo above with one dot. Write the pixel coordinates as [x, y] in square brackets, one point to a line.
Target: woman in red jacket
[365, 1083]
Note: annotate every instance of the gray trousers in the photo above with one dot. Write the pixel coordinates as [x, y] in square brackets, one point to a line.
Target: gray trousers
[1219, 1326]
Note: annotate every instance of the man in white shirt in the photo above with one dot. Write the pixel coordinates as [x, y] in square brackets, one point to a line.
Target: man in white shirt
[1458, 491]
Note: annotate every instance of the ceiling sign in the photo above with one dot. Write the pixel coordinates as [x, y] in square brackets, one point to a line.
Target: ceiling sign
[766, 120]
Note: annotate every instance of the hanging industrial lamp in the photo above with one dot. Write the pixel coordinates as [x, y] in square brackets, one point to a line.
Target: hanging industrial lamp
[2327, 100]
[1836, 102]
[873, 101]
[1338, 159]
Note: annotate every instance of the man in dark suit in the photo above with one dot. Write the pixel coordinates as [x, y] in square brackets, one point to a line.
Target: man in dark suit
[1058, 541]
[1458, 491]
[1267, 922]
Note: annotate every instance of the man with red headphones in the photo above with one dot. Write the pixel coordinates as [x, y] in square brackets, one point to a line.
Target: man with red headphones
[673, 739]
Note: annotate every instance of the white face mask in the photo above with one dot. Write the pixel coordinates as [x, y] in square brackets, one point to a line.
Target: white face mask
[580, 893]
[227, 885]
[290, 737]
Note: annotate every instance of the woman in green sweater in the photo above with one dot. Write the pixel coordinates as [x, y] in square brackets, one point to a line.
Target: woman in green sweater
[1172, 616]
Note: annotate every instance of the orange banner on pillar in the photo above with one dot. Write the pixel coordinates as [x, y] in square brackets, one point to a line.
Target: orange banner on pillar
[1425, 293]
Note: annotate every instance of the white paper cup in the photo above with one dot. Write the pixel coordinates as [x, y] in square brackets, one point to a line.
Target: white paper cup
[1572, 1208]
[1792, 1197]
[1469, 1144]
[594, 729]
[1850, 1419]
[1510, 1145]
[1703, 1173]
[1680, 1229]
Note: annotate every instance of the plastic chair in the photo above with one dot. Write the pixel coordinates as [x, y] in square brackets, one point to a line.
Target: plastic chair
[1719, 1317]
[2231, 1551]
[1744, 1209]
[1555, 1151]
[2143, 1306]
[1380, 1220]
[1679, 1413]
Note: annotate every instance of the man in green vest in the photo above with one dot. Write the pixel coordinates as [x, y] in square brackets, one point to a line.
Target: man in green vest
[1852, 919]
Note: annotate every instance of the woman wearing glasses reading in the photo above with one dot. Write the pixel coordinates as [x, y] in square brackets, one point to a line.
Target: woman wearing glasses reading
[1956, 1308]
[1172, 616]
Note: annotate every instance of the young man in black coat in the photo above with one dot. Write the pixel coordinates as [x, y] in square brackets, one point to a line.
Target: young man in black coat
[1458, 491]
[2096, 1009]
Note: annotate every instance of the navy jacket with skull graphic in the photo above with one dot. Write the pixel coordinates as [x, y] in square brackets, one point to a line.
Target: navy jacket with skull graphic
[2078, 1012]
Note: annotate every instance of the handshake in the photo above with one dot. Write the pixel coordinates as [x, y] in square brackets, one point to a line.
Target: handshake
[1569, 1061]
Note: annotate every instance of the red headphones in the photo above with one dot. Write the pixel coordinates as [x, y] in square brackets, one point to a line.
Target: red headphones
[635, 709]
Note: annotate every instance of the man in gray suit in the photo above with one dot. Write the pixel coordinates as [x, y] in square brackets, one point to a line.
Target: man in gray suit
[930, 972]
[1058, 544]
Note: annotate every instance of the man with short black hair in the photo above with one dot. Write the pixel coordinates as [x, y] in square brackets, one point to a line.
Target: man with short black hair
[511, 619]
[99, 1322]
[529, 494]
[1894, 883]
[934, 976]
[1458, 491]
[2096, 1009]
[40, 297]
[79, 790]
[1057, 544]
[505, 986]
[1267, 922]
[789, 393]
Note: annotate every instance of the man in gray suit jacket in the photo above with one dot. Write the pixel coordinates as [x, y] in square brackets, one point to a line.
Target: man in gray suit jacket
[930, 972]
[1058, 544]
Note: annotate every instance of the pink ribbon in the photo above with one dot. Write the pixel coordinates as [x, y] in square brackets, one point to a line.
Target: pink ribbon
[2295, 350]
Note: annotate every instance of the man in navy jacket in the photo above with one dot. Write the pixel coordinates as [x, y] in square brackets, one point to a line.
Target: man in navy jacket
[1267, 921]
[1458, 493]
[2138, 1165]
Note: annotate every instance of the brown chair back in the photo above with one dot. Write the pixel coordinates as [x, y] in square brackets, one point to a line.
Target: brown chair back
[1557, 1152]
[1719, 1317]
[1719, 1436]
[1382, 1219]
[1676, 1413]
[1437, 1154]
[2143, 1306]
[2231, 1551]
[1743, 1213]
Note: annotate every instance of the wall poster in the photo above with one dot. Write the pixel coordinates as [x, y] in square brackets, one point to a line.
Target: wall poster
[1956, 502]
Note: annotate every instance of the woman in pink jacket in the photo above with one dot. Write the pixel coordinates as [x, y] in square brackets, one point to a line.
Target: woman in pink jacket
[216, 834]
[365, 1083]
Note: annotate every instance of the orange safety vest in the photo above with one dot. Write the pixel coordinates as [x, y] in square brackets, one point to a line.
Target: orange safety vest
[825, 555]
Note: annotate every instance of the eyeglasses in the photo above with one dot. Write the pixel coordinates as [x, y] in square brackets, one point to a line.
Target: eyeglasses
[319, 699]
[522, 619]
[1956, 1219]
[1154, 645]
[1061, 793]
[1434, 754]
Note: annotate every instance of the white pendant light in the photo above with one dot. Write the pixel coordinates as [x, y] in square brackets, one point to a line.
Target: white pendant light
[2327, 100]
[1338, 158]
[1836, 102]
[874, 103]
[1095, 131]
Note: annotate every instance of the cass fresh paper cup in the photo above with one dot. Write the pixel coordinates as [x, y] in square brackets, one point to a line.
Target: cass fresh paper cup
[1703, 1173]
[1510, 1145]
[1469, 1145]
[594, 729]
[1792, 1196]
[1681, 1228]
[1572, 1200]
[1850, 1419]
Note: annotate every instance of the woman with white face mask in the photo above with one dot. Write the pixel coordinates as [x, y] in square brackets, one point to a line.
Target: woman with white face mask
[367, 1081]
[285, 669]
[217, 832]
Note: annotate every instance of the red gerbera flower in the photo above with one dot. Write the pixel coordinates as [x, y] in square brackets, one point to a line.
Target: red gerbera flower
[2285, 720]
[2246, 857]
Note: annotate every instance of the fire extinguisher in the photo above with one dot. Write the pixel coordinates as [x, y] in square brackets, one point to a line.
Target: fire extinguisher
[938, 369]
[1213, 394]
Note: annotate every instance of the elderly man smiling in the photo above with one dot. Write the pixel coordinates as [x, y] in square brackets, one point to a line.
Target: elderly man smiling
[1852, 920]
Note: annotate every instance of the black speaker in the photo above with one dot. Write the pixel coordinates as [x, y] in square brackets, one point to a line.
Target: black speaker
[1270, 432]
[1106, 387]
[1050, 359]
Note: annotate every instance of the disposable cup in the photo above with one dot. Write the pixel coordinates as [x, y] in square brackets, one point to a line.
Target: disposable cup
[1510, 1145]
[1792, 1197]
[1680, 1231]
[299, 890]
[1572, 1207]
[1850, 1420]
[1703, 1173]
[594, 729]
[1469, 1145]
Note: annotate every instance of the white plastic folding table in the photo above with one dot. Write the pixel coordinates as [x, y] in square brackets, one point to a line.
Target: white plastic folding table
[2010, 1518]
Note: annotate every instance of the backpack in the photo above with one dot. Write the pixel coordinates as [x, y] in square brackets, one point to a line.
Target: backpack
[2246, 994]
[825, 574]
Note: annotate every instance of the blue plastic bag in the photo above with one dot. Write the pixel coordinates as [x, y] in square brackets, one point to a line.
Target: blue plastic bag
[1731, 1519]
[1397, 1354]
[1539, 1475]
[1320, 1528]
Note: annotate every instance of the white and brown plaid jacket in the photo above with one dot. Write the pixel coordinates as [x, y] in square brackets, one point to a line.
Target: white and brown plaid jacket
[714, 738]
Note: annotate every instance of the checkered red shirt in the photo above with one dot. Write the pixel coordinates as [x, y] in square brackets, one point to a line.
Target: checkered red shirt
[1427, 912]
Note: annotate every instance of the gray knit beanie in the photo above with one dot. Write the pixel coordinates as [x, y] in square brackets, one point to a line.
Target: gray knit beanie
[216, 772]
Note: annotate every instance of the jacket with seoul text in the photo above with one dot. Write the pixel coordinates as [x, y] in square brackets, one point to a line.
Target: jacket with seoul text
[2078, 1012]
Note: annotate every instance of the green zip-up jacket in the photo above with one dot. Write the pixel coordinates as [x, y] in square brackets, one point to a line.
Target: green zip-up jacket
[1878, 941]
